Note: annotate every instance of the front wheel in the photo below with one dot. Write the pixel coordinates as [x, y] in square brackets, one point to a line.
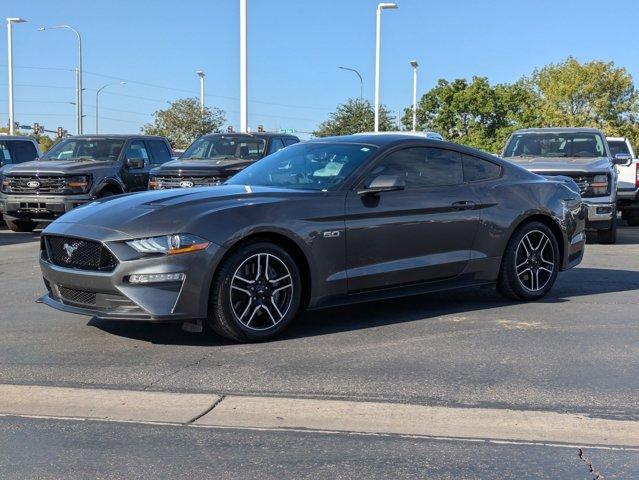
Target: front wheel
[255, 294]
[609, 236]
[21, 225]
[530, 263]
[632, 217]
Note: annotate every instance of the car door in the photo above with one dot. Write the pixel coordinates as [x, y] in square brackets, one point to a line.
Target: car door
[422, 233]
[136, 178]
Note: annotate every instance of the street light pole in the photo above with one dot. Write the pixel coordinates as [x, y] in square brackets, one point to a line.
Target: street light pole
[200, 74]
[243, 69]
[78, 75]
[10, 22]
[97, 98]
[415, 66]
[378, 47]
[361, 81]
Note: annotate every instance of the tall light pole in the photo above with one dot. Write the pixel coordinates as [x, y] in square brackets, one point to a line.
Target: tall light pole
[415, 66]
[361, 81]
[243, 69]
[78, 104]
[10, 22]
[378, 47]
[200, 74]
[97, 98]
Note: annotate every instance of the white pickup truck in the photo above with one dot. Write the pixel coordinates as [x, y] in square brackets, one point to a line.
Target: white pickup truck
[627, 182]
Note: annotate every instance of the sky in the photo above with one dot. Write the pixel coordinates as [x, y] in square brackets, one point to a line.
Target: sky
[295, 49]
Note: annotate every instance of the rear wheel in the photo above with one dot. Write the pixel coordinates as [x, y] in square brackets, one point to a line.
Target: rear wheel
[255, 294]
[21, 225]
[530, 263]
[632, 217]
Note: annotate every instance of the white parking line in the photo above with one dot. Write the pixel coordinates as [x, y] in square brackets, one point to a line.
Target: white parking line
[323, 416]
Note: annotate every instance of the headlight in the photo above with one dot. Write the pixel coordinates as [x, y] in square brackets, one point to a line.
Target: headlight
[153, 183]
[77, 184]
[599, 185]
[169, 244]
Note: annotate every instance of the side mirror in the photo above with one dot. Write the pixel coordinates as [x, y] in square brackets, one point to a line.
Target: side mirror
[383, 183]
[134, 163]
[622, 159]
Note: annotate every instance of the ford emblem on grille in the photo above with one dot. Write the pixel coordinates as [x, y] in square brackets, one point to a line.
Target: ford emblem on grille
[69, 249]
[186, 184]
[33, 184]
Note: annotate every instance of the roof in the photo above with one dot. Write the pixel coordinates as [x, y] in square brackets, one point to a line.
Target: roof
[17, 137]
[116, 135]
[559, 130]
[250, 135]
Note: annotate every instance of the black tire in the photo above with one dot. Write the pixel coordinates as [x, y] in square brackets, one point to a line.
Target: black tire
[21, 225]
[227, 310]
[513, 285]
[106, 193]
[608, 237]
[632, 217]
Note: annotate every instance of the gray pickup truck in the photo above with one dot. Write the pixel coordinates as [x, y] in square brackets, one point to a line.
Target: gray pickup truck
[581, 154]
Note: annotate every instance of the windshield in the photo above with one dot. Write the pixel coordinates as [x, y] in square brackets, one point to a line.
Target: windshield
[85, 149]
[554, 144]
[222, 147]
[618, 146]
[308, 166]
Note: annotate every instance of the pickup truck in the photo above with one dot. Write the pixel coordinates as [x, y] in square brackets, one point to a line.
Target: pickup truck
[212, 159]
[581, 154]
[628, 183]
[75, 171]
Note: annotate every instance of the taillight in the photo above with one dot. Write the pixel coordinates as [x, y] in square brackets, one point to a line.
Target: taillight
[637, 175]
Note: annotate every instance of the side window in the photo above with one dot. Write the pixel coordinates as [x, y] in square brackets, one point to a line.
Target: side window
[421, 167]
[476, 169]
[137, 149]
[276, 144]
[5, 155]
[159, 151]
[22, 151]
[290, 141]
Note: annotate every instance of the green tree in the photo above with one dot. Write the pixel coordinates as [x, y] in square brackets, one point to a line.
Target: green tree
[592, 94]
[475, 113]
[44, 141]
[355, 116]
[183, 122]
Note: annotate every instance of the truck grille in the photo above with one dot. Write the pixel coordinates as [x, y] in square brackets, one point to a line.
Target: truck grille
[166, 182]
[583, 181]
[78, 253]
[33, 184]
[72, 295]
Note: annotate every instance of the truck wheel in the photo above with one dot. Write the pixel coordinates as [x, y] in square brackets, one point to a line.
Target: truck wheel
[608, 237]
[632, 217]
[106, 193]
[21, 225]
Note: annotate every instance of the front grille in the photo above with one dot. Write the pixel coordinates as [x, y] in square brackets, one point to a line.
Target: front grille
[81, 297]
[167, 181]
[583, 181]
[34, 184]
[79, 253]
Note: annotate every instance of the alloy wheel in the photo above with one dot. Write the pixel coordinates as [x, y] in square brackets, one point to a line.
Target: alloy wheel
[261, 291]
[535, 260]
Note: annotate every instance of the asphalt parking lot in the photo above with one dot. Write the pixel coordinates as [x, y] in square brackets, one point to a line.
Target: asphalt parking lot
[576, 351]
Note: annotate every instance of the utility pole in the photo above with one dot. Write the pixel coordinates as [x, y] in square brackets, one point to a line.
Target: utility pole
[378, 48]
[415, 66]
[10, 22]
[243, 69]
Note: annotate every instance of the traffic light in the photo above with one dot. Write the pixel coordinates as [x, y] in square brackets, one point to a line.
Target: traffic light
[36, 128]
[229, 129]
[60, 132]
[260, 128]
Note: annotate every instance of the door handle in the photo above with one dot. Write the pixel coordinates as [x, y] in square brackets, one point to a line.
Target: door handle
[463, 205]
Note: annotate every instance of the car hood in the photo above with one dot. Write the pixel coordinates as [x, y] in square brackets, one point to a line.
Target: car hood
[162, 212]
[202, 167]
[576, 164]
[50, 167]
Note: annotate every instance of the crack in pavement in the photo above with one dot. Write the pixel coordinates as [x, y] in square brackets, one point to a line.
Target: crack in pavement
[205, 412]
[583, 458]
[175, 372]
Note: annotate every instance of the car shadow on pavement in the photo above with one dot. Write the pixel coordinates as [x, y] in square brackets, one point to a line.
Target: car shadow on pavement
[574, 283]
[7, 237]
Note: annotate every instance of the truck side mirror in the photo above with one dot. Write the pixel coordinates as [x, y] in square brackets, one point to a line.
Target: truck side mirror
[622, 159]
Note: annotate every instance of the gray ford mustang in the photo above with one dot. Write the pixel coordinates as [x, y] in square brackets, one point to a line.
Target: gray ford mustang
[320, 223]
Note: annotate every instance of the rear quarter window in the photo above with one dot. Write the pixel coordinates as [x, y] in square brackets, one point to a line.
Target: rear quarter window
[477, 169]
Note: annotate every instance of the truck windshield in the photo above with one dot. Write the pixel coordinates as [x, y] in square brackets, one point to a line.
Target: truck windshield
[555, 144]
[81, 149]
[307, 166]
[225, 147]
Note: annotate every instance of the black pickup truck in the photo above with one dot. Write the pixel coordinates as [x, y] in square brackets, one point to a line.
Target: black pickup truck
[213, 158]
[75, 171]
